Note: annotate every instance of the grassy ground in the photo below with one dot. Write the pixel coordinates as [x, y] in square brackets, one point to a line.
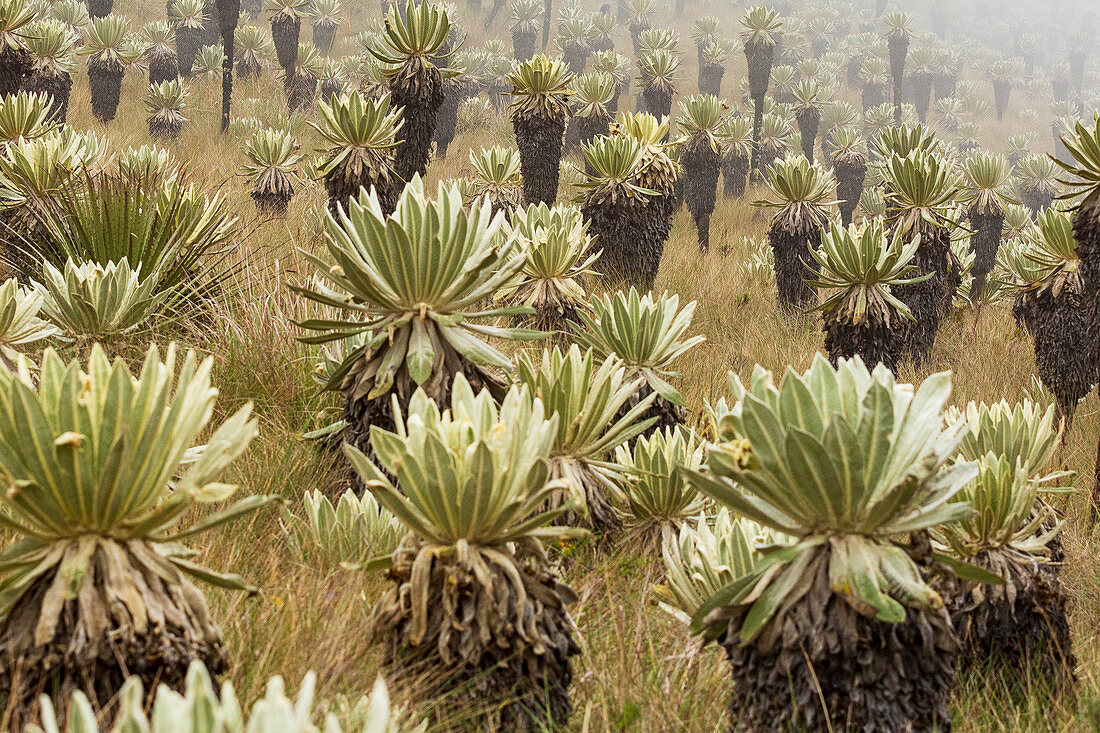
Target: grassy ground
[640, 669]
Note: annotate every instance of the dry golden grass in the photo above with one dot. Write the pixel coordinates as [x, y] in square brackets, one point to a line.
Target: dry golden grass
[640, 669]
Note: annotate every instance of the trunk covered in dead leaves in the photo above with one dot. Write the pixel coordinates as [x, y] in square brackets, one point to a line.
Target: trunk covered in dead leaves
[1013, 627]
[823, 666]
[125, 620]
[502, 647]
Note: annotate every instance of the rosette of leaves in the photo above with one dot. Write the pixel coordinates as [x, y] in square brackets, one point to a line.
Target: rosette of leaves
[25, 116]
[474, 597]
[200, 706]
[497, 176]
[659, 501]
[541, 91]
[272, 167]
[647, 334]
[1036, 182]
[20, 324]
[253, 48]
[101, 303]
[618, 67]
[360, 135]
[702, 560]
[413, 58]
[701, 121]
[416, 283]
[108, 56]
[353, 532]
[52, 47]
[34, 176]
[859, 268]
[589, 397]
[559, 260]
[165, 103]
[801, 193]
[208, 63]
[99, 584]
[851, 466]
[775, 139]
[1052, 302]
[161, 225]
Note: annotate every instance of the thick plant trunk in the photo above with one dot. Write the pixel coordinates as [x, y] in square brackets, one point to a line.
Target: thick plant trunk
[871, 340]
[575, 58]
[301, 88]
[631, 236]
[658, 102]
[872, 96]
[759, 56]
[420, 91]
[164, 129]
[59, 87]
[97, 644]
[271, 202]
[229, 11]
[540, 141]
[809, 121]
[100, 8]
[210, 33]
[163, 67]
[188, 41]
[447, 122]
[1021, 625]
[985, 242]
[795, 266]
[926, 299]
[285, 32]
[518, 678]
[106, 87]
[735, 174]
[15, 67]
[701, 167]
[710, 79]
[922, 95]
[1036, 199]
[591, 127]
[834, 669]
[1001, 92]
[1064, 359]
[899, 47]
[323, 36]
[523, 45]
[850, 175]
